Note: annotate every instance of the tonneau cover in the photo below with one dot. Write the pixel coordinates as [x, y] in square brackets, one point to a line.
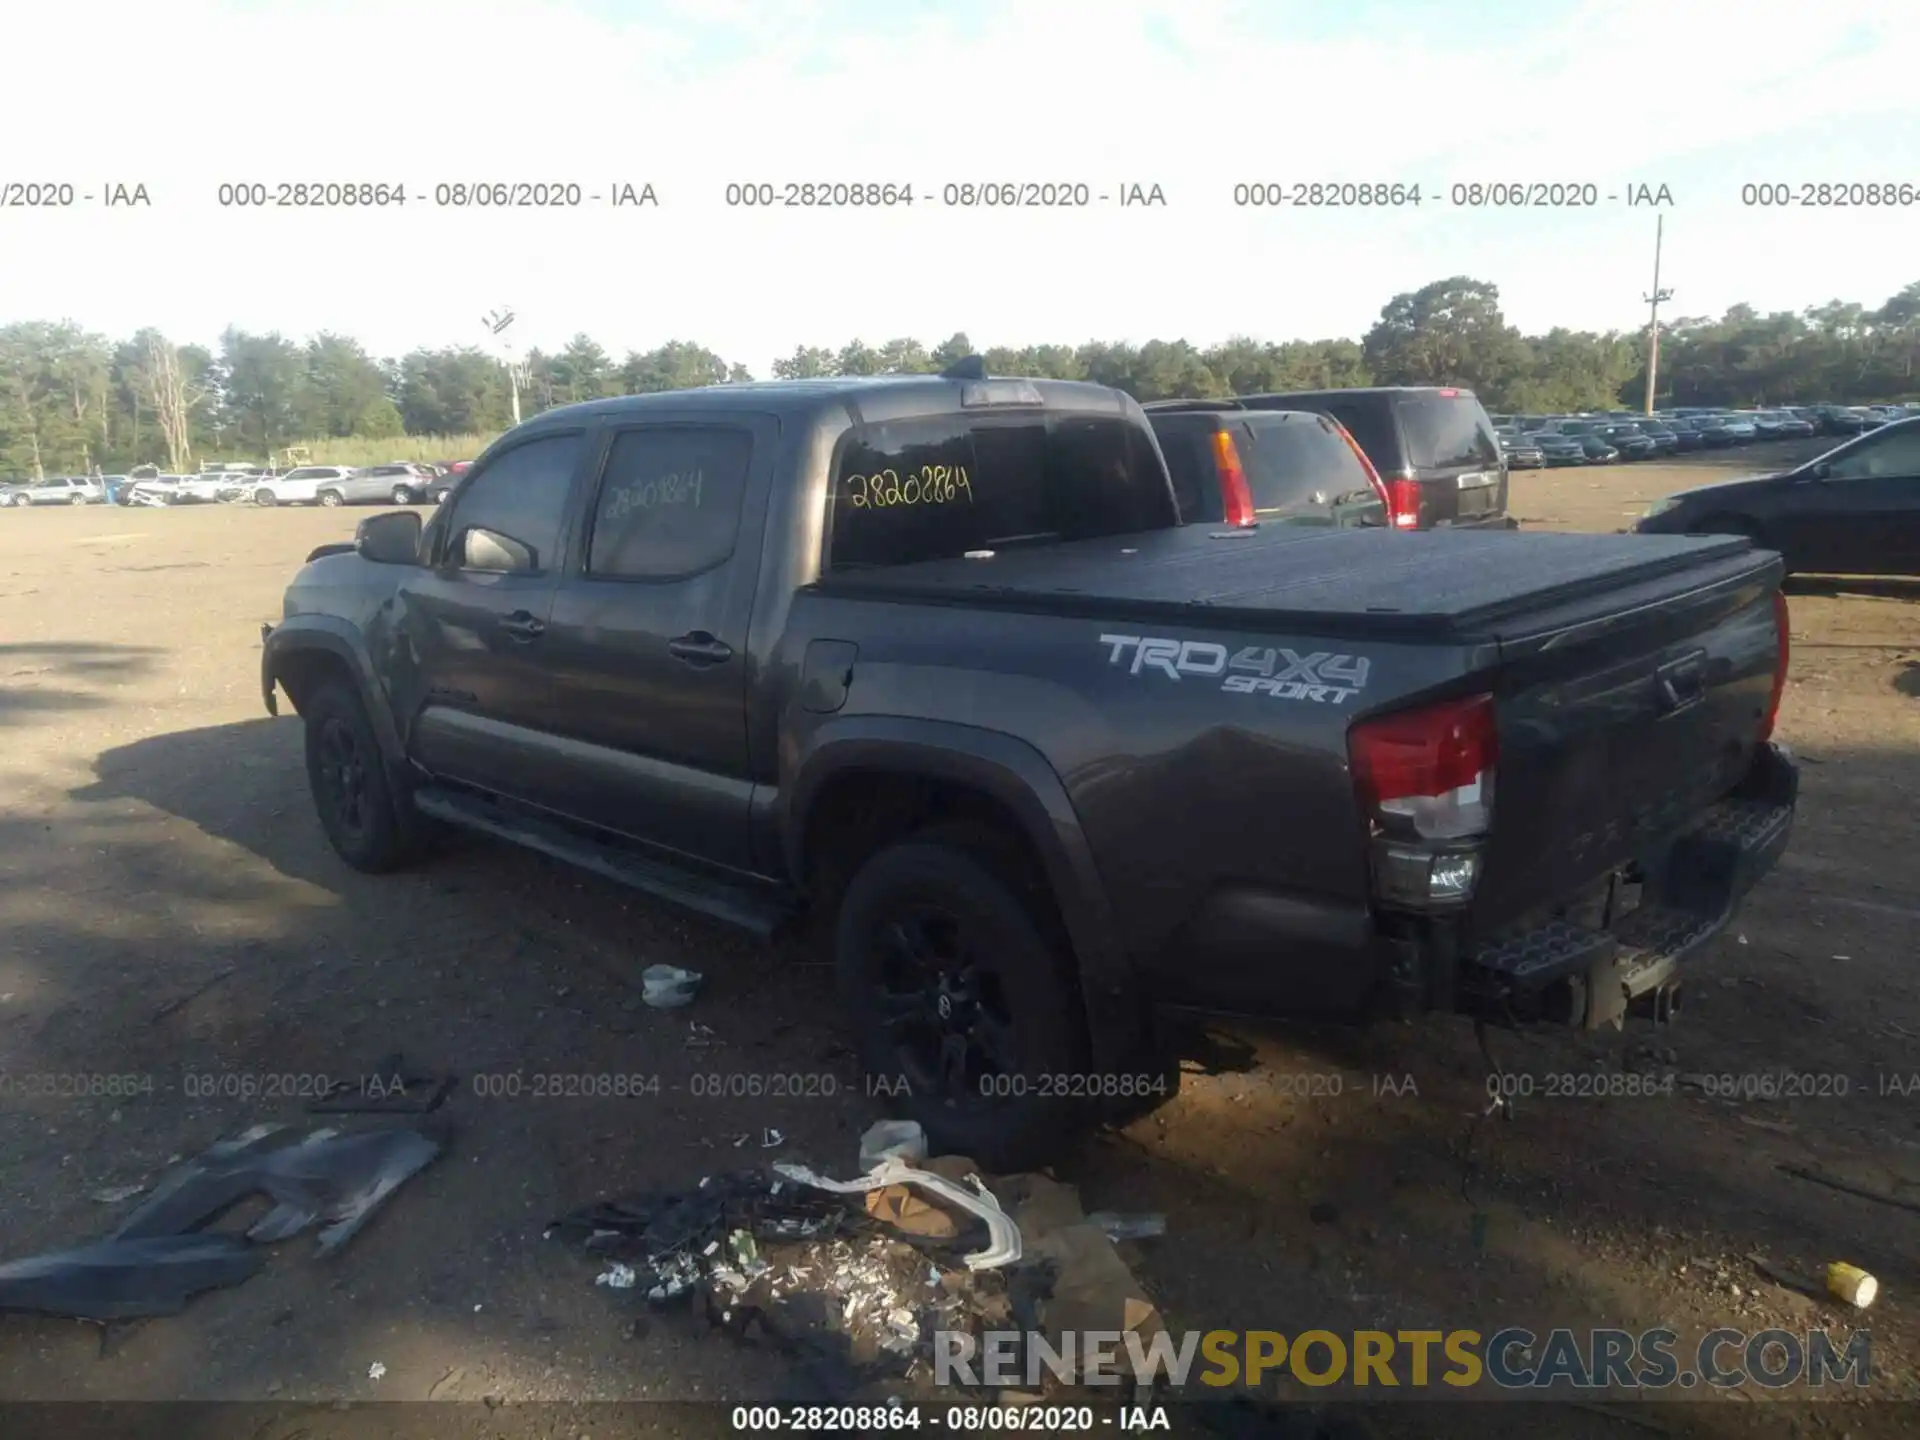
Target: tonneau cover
[1429, 583]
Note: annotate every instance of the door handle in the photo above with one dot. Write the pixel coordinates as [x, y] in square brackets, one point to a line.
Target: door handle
[700, 648]
[523, 626]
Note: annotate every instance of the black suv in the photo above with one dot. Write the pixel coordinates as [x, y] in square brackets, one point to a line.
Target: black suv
[1234, 466]
[1434, 448]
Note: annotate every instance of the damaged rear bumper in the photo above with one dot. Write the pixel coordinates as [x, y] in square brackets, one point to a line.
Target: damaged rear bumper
[1565, 972]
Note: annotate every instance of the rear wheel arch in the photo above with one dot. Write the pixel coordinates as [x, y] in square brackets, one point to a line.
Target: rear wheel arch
[870, 782]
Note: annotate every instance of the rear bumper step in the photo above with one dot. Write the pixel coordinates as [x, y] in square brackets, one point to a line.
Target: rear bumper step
[1590, 977]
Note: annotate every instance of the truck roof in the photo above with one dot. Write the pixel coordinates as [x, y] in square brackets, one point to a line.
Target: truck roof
[909, 394]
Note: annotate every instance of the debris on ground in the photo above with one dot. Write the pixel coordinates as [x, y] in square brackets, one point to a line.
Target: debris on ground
[1129, 1227]
[389, 1089]
[127, 1279]
[893, 1140]
[115, 1194]
[376, 1371]
[1004, 1236]
[668, 987]
[1851, 1285]
[860, 1274]
[161, 1255]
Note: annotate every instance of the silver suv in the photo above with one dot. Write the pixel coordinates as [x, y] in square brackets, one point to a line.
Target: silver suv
[397, 484]
[56, 490]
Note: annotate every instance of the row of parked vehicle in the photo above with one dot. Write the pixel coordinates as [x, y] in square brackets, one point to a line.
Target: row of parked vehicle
[400, 483]
[1531, 442]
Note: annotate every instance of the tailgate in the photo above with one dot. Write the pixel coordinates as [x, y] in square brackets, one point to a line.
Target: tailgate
[1621, 719]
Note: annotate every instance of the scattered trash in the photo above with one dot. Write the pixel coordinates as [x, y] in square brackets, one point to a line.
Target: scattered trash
[668, 987]
[1129, 1227]
[698, 1036]
[114, 1194]
[1003, 1235]
[161, 1256]
[898, 1206]
[376, 1371]
[893, 1140]
[1851, 1284]
[1777, 1127]
[390, 1089]
[771, 1139]
[617, 1277]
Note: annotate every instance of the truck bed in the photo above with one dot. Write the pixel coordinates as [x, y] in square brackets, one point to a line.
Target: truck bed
[1460, 584]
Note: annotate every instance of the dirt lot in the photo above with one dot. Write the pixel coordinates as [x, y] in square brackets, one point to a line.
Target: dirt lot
[169, 909]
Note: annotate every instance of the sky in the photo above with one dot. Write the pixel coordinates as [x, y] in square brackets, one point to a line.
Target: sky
[689, 96]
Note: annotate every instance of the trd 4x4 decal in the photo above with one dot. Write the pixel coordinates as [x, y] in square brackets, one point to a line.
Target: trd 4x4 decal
[1322, 677]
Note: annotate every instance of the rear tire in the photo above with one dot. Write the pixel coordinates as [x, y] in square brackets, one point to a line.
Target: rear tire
[954, 983]
[265, 497]
[402, 495]
[352, 792]
[77, 500]
[332, 498]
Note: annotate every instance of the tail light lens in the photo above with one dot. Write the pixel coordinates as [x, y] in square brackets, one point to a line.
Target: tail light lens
[1783, 646]
[1425, 777]
[1234, 492]
[1403, 503]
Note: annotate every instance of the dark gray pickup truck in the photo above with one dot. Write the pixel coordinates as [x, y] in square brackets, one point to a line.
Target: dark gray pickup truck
[931, 660]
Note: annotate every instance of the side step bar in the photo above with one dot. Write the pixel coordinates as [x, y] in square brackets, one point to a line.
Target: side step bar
[761, 911]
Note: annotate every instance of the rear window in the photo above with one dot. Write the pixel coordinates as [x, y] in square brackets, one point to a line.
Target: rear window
[936, 487]
[1447, 431]
[1297, 465]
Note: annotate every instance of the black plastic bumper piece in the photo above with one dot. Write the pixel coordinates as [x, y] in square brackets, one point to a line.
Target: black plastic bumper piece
[1590, 977]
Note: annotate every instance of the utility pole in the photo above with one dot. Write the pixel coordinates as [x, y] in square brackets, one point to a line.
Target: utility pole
[1653, 313]
[497, 323]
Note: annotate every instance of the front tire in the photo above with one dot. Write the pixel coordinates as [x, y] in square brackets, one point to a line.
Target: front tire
[352, 792]
[402, 495]
[955, 983]
[77, 500]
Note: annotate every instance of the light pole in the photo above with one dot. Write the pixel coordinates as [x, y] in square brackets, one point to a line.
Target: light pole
[1653, 313]
[497, 323]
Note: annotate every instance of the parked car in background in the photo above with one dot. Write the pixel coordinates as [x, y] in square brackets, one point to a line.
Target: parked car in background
[1233, 466]
[1521, 451]
[1716, 431]
[1666, 440]
[400, 483]
[1557, 449]
[1628, 438]
[1854, 510]
[57, 490]
[1836, 420]
[299, 486]
[1433, 445]
[1686, 434]
[1780, 425]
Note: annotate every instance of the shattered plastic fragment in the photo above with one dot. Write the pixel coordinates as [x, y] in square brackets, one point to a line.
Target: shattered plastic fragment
[1129, 1227]
[892, 1140]
[127, 1279]
[376, 1371]
[668, 987]
[616, 1277]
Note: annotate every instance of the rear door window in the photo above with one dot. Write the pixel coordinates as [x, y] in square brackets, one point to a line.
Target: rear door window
[936, 487]
[1299, 468]
[1448, 432]
[1190, 462]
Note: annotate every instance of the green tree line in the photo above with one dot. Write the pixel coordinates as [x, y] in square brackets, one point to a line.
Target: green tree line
[71, 400]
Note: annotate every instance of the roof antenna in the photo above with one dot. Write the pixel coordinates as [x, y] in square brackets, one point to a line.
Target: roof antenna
[969, 367]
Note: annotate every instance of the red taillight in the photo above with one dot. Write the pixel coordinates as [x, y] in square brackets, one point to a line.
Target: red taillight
[1425, 753]
[1234, 493]
[1403, 503]
[1783, 646]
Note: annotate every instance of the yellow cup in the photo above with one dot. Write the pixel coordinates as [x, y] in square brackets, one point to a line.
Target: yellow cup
[1851, 1284]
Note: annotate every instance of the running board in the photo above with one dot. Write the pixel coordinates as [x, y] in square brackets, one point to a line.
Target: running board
[758, 910]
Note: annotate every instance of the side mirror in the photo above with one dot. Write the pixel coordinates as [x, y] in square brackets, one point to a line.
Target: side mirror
[1821, 471]
[389, 539]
